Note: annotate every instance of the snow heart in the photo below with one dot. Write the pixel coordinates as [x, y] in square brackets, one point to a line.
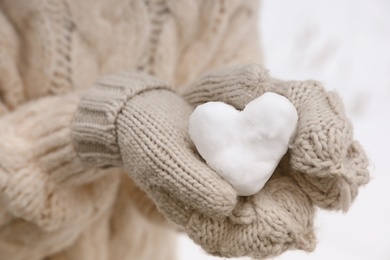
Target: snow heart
[244, 147]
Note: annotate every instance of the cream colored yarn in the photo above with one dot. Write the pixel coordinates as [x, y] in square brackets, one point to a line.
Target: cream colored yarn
[59, 197]
[324, 159]
[131, 119]
[328, 164]
[134, 120]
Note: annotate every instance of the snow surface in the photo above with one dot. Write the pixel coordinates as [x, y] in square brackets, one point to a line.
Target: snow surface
[244, 147]
[346, 45]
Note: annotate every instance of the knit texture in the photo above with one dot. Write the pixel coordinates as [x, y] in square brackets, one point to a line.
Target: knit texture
[148, 125]
[278, 218]
[323, 158]
[94, 128]
[235, 85]
[53, 47]
[327, 163]
[152, 134]
[47, 193]
[60, 200]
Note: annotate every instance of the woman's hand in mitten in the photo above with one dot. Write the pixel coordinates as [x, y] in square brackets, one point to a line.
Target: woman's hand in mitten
[323, 158]
[276, 219]
[134, 121]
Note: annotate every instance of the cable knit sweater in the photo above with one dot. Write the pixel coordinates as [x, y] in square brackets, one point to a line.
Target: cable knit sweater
[95, 154]
[53, 205]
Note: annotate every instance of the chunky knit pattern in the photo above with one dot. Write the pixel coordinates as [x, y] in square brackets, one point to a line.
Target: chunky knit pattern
[63, 126]
[323, 158]
[328, 164]
[95, 132]
[151, 124]
[152, 137]
[153, 142]
[50, 48]
[235, 85]
[278, 218]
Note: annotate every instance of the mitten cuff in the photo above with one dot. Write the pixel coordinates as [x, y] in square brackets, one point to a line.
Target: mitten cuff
[94, 130]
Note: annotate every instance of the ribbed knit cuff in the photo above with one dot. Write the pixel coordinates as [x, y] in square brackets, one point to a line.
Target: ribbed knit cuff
[94, 130]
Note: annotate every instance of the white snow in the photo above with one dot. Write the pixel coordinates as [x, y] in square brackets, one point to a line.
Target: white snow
[245, 146]
[345, 45]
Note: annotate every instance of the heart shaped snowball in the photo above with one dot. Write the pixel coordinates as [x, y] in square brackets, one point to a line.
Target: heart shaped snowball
[244, 147]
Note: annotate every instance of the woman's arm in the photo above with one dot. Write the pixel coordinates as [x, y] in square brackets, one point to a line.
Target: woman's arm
[47, 196]
[45, 188]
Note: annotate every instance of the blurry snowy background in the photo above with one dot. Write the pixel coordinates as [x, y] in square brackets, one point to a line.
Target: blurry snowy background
[345, 44]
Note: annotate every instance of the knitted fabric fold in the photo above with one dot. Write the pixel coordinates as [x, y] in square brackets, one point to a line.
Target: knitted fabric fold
[40, 171]
[136, 121]
[94, 130]
[51, 202]
[278, 218]
[234, 85]
[38, 133]
[328, 165]
[326, 162]
[158, 154]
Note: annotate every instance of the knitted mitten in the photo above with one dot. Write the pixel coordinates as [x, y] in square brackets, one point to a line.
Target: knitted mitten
[133, 120]
[328, 165]
[276, 219]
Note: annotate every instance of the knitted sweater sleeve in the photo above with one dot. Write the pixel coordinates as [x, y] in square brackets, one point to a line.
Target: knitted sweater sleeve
[241, 43]
[47, 195]
[44, 186]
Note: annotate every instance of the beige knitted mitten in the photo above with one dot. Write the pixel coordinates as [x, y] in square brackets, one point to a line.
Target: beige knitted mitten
[328, 165]
[133, 120]
[278, 218]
